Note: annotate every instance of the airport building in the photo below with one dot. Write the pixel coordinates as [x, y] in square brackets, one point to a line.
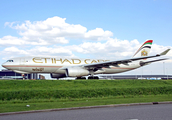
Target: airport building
[8, 74]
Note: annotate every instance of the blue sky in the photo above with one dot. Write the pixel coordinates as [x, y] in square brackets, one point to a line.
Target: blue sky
[90, 23]
[127, 19]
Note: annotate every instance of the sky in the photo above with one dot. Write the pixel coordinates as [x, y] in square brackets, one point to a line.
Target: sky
[104, 29]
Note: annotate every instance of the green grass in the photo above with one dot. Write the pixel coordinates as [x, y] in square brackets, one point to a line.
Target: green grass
[48, 94]
[17, 105]
[45, 89]
[77, 84]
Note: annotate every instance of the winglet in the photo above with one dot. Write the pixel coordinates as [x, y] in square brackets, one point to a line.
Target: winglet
[165, 52]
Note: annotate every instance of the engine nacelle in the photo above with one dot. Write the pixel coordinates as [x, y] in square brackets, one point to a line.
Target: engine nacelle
[76, 72]
[55, 75]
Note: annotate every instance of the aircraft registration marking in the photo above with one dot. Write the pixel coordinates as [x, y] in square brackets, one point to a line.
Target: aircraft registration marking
[38, 69]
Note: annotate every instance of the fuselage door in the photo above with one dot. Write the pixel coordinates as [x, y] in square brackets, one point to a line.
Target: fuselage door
[23, 64]
[22, 61]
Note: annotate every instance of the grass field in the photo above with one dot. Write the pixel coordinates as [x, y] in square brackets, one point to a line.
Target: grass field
[47, 94]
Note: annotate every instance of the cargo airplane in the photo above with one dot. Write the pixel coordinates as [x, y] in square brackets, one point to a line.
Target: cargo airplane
[74, 67]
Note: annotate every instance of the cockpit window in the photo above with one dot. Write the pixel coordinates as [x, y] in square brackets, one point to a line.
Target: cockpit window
[10, 61]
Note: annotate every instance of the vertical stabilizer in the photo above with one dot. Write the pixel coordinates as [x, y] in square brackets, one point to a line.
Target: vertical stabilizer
[144, 49]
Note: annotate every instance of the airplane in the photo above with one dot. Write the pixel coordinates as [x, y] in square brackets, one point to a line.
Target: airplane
[75, 67]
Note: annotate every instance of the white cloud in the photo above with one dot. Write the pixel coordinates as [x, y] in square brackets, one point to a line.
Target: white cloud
[10, 24]
[156, 49]
[111, 49]
[40, 35]
[10, 40]
[14, 51]
[10, 52]
[98, 34]
[51, 51]
[51, 31]
[114, 49]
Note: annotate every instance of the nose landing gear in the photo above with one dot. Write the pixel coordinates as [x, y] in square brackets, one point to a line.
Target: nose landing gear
[23, 76]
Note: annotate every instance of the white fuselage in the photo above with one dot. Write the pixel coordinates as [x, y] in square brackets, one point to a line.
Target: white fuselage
[53, 65]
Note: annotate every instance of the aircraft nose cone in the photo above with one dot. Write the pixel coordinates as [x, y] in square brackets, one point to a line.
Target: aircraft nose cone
[4, 65]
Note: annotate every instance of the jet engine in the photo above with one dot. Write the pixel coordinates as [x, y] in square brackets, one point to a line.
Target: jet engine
[55, 75]
[76, 72]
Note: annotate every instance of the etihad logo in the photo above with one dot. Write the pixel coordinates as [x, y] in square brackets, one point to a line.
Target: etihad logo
[66, 61]
[144, 53]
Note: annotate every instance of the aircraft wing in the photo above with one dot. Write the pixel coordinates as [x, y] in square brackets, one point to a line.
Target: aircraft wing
[96, 66]
[124, 61]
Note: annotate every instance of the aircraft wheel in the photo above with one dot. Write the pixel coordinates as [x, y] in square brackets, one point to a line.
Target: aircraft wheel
[93, 77]
[81, 78]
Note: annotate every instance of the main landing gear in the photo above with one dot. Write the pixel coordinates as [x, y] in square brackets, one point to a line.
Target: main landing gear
[83, 78]
[90, 77]
[93, 77]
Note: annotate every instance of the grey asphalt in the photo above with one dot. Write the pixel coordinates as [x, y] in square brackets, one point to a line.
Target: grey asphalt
[139, 112]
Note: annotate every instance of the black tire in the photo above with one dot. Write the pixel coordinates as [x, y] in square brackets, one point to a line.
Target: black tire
[93, 77]
[81, 78]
